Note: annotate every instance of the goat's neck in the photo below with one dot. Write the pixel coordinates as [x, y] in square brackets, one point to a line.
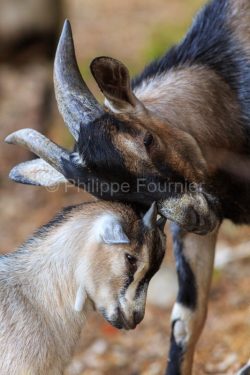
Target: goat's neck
[194, 99]
[45, 273]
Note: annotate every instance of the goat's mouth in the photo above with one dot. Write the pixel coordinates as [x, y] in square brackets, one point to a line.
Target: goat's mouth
[122, 322]
[119, 321]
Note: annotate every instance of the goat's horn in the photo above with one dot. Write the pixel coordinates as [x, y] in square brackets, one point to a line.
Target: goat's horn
[75, 102]
[39, 145]
[149, 219]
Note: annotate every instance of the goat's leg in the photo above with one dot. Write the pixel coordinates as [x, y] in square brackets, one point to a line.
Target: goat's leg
[194, 260]
[245, 370]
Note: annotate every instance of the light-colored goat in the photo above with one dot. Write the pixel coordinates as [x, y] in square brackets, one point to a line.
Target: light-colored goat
[99, 256]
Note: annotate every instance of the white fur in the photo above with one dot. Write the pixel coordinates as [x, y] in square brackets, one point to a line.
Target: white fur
[43, 297]
[48, 286]
[180, 332]
[78, 159]
[109, 105]
[184, 316]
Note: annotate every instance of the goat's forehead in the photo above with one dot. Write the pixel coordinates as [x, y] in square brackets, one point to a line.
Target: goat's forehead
[117, 122]
[97, 139]
[110, 125]
[148, 246]
[111, 146]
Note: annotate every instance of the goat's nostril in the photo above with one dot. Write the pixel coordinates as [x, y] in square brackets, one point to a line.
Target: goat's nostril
[137, 317]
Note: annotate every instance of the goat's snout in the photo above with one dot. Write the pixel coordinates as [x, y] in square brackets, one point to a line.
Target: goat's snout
[138, 316]
[129, 322]
[123, 322]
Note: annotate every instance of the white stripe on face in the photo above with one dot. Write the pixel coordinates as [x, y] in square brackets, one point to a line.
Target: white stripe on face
[136, 302]
[138, 277]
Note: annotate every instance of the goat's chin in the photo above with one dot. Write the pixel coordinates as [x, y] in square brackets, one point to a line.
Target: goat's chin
[117, 321]
[121, 324]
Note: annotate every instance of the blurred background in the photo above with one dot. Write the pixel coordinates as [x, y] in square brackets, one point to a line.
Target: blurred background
[134, 31]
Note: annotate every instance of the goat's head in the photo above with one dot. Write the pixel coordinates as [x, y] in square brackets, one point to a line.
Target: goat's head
[120, 144]
[126, 252]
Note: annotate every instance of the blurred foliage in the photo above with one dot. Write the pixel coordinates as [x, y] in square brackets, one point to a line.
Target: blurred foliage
[162, 38]
[167, 34]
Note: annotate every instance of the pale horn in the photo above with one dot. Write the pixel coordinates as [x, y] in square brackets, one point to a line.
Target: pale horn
[39, 145]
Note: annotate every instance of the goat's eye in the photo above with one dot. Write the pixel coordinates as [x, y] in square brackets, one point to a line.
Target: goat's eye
[132, 260]
[148, 140]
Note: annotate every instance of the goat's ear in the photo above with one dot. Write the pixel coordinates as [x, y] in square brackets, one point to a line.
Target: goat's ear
[81, 296]
[112, 232]
[36, 172]
[113, 79]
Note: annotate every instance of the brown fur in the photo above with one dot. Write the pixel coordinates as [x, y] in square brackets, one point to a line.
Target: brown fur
[194, 99]
[189, 111]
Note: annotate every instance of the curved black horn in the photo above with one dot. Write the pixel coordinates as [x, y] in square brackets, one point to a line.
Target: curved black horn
[75, 102]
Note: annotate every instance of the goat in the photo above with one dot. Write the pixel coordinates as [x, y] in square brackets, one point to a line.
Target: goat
[97, 255]
[181, 127]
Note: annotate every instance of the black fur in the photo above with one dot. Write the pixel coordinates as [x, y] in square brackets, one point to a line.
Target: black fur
[156, 257]
[105, 166]
[95, 146]
[187, 294]
[246, 371]
[176, 353]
